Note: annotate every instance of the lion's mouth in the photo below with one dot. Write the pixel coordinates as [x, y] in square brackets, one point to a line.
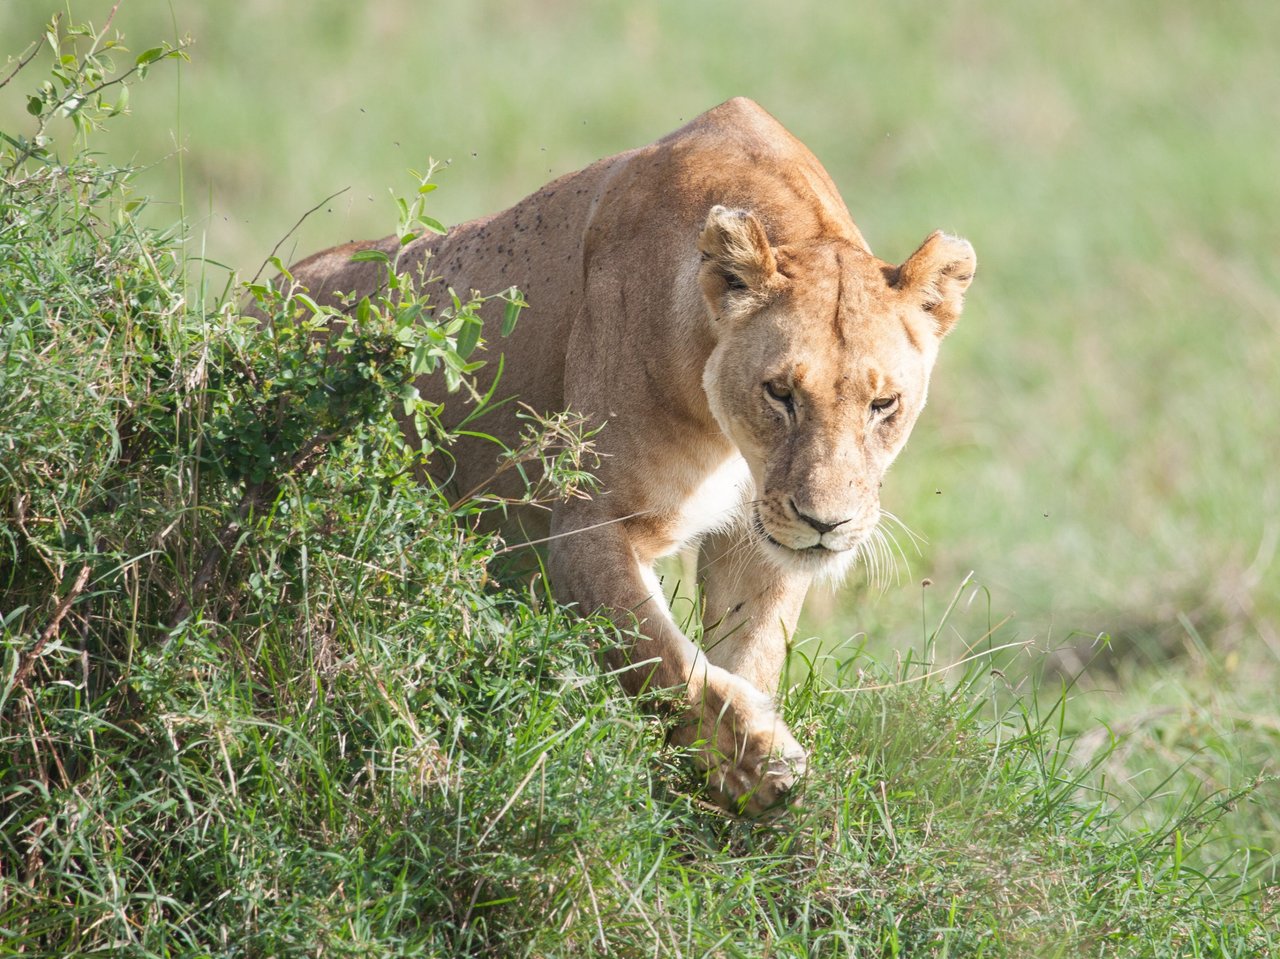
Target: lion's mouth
[817, 550]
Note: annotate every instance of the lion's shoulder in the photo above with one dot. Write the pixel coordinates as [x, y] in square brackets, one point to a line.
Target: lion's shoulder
[734, 119]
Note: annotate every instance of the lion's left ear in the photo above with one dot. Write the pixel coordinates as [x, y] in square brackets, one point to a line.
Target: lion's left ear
[938, 274]
[736, 255]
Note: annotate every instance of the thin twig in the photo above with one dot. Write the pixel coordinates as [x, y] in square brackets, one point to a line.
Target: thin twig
[35, 48]
[573, 532]
[292, 229]
[107, 26]
[29, 661]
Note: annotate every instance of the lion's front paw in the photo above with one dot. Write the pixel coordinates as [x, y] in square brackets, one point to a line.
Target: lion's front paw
[751, 759]
[763, 778]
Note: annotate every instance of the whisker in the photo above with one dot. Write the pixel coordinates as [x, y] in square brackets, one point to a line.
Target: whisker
[887, 569]
[906, 560]
[916, 539]
[885, 544]
[893, 552]
[895, 558]
[870, 561]
[742, 545]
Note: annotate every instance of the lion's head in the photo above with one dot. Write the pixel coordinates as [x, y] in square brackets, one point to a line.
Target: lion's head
[820, 369]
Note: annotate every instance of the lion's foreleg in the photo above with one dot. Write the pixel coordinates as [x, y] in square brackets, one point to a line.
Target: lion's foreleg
[750, 607]
[750, 756]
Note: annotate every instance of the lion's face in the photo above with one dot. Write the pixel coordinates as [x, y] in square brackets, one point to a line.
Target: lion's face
[820, 370]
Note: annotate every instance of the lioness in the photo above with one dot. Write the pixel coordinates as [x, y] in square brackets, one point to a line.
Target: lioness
[708, 300]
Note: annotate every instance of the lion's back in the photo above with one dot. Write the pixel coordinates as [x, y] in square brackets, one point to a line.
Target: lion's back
[623, 227]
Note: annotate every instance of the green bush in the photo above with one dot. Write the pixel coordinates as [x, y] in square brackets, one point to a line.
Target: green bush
[259, 697]
[231, 619]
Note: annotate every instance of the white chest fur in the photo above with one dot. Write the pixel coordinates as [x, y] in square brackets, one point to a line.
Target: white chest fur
[712, 503]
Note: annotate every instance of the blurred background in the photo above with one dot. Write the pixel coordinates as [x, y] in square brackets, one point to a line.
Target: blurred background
[1102, 450]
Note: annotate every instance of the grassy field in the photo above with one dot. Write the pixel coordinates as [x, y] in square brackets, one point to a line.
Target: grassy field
[1100, 453]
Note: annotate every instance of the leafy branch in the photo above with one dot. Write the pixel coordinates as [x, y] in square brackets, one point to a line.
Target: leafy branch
[80, 84]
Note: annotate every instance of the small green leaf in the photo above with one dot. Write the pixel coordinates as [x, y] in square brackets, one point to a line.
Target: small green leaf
[122, 102]
[510, 315]
[370, 256]
[435, 226]
[468, 337]
[422, 361]
[35, 105]
[409, 315]
[149, 56]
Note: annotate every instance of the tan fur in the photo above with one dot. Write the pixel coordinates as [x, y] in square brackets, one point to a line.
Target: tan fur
[708, 301]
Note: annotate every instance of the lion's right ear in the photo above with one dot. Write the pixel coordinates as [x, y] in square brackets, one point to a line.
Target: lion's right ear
[736, 256]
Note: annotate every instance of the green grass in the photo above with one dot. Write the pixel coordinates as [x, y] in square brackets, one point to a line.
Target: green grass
[355, 745]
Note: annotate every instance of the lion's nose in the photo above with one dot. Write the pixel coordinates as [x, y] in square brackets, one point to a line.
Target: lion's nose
[819, 525]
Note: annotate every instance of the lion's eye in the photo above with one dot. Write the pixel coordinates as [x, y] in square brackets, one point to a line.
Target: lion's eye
[781, 393]
[884, 405]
